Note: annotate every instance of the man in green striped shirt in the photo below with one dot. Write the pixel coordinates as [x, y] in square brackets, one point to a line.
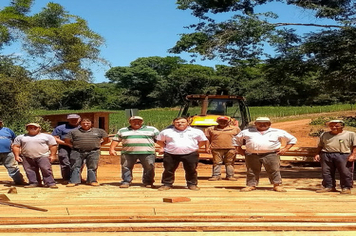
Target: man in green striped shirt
[138, 142]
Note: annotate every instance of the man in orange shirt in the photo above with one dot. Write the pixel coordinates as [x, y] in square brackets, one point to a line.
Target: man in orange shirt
[222, 148]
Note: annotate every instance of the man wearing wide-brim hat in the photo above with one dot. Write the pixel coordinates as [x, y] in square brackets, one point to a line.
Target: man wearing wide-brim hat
[263, 147]
[336, 151]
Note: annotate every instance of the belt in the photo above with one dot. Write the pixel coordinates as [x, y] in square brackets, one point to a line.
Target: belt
[261, 154]
[81, 150]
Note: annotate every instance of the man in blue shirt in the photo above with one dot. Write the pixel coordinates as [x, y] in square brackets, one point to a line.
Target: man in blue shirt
[7, 158]
[64, 149]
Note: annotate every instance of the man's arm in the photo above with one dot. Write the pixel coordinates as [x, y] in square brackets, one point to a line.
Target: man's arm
[53, 151]
[317, 155]
[352, 156]
[113, 144]
[61, 142]
[16, 149]
[206, 143]
[105, 141]
[162, 144]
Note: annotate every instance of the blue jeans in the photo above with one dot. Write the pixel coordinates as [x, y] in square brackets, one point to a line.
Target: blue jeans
[270, 161]
[32, 167]
[64, 162]
[8, 160]
[330, 162]
[148, 164]
[77, 159]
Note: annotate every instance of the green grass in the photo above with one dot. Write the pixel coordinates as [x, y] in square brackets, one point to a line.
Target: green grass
[162, 117]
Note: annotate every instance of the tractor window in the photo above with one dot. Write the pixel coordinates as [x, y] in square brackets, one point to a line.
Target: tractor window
[217, 107]
[234, 111]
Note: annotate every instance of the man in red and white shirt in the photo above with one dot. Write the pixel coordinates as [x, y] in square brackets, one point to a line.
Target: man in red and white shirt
[263, 147]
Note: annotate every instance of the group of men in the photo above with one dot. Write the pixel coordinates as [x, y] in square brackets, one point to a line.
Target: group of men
[79, 144]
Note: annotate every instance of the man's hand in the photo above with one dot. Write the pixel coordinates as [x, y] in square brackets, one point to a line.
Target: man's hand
[112, 152]
[352, 157]
[317, 157]
[18, 159]
[52, 158]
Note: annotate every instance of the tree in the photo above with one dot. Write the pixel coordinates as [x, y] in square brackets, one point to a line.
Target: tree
[324, 57]
[58, 45]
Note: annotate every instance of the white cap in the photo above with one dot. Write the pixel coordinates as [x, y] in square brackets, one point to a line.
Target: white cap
[336, 121]
[136, 118]
[263, 119]
[73, 116]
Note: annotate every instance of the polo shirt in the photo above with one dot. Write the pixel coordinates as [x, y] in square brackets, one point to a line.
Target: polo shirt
[341, 143]
[86, 140]
[6, 138]
[62, 130]
[179, 142]
[263, 142]
[139, 141]
[35, 146]
[221, 138]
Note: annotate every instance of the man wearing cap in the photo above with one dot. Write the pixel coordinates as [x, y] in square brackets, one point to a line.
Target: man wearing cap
[222, 148]
[181, 144]
[138, 142]
[36, 150]
[86, 142]
[336, 151]
[7, 136]
[263, 147]
[64, 149]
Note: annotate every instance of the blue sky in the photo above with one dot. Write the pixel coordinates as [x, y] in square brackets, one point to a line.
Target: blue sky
[143, 28]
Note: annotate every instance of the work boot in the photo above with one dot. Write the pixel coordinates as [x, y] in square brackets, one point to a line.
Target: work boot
[124, 185]
[345, 191]
[94, 184]
[194, 188]
[149, 186]
[248, 188]
[71, 185]
[325, 190]
[215, 178]
[279, 188]
[164, 188]
[53, 186]
[231, 178]
[31, 186]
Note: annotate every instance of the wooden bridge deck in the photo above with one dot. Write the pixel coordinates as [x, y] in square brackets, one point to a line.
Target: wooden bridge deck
[217, 207]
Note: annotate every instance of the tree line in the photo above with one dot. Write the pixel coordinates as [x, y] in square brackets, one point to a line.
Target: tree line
[316, 68]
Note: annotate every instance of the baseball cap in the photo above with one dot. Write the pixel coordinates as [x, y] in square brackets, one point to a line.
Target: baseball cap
[262, 119]
[136, 118]
[73, 116]
[336, 121]
[33, 124]
[223, 118]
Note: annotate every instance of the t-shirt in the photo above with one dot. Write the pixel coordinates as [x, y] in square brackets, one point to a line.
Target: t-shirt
[6, 138]
[62, 130]
[35, 146]
[179, 142]
[221, 138]
[140, 141]
[341, 143]
[87, 140]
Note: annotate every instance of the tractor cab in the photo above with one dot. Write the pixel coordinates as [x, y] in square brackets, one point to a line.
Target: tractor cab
[203, 110]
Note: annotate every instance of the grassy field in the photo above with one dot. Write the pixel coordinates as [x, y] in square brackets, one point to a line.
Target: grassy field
[162, 117]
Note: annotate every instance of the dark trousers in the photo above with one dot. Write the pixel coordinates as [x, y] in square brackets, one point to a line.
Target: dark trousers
[32, 167]
[330, 162]
[171, 163]
[270, 161]
[64, 161]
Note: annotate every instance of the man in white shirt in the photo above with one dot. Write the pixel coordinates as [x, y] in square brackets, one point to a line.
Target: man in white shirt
[181, 144]
[263, 147]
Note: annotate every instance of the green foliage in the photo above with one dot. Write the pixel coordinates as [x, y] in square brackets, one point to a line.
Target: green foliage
[56, 43]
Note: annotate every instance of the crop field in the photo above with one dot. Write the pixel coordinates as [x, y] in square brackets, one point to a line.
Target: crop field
[162, 117]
